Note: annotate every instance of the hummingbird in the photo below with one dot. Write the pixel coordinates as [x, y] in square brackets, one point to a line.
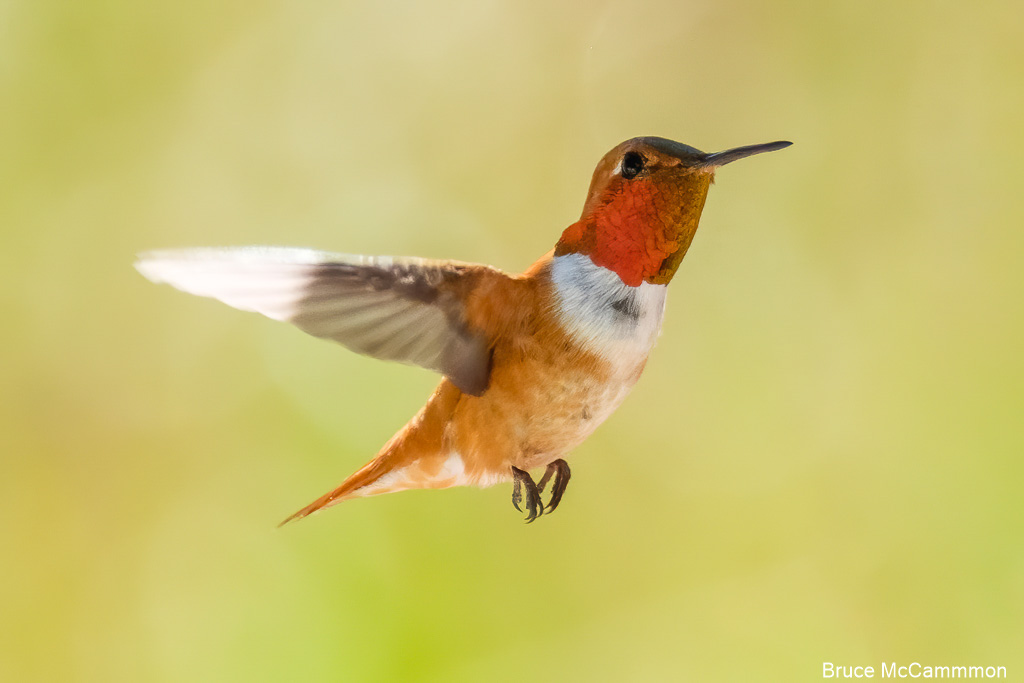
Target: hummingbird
[532, 363]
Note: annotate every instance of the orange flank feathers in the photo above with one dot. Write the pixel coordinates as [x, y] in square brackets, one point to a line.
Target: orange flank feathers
[532, 363]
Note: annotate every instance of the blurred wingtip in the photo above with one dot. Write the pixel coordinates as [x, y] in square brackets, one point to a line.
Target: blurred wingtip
[147, 263]
[156, 264]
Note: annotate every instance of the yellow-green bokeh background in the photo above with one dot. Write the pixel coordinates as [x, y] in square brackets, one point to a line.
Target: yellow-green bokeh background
[823, 461]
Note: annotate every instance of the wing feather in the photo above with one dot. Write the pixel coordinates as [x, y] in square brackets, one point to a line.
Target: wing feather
[408, 310]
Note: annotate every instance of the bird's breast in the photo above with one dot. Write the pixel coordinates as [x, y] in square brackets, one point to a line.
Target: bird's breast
[607, 317]
[609, 330]
[571, 365]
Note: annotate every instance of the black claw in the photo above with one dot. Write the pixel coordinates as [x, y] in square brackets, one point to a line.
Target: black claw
[533, 505]
[561, 469]
[536, 507]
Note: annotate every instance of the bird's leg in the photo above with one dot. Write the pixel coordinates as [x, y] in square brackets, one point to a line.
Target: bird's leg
[533, 505]
[517, 492]
[547, 475]
[560, 469]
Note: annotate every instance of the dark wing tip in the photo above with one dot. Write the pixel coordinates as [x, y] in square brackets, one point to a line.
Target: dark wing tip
[467, 363]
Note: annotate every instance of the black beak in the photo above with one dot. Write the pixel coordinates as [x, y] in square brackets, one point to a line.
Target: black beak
[730, 155]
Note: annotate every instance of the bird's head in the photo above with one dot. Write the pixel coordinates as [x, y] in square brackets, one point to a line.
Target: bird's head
[644, 204]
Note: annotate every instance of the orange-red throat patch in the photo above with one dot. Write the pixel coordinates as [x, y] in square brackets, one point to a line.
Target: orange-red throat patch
[640, 229]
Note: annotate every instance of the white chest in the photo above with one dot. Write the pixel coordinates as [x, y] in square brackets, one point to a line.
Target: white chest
[604, 315]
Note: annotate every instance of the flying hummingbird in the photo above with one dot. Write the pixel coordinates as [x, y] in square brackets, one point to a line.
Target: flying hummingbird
[532, 363]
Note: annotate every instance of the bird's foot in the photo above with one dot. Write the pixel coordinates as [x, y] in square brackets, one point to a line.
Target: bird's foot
[534, 506]
[560, 469]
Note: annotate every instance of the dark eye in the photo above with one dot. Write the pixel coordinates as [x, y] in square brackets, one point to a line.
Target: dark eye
[632, 164]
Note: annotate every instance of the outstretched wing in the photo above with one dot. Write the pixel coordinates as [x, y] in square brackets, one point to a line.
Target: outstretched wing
[404, 309]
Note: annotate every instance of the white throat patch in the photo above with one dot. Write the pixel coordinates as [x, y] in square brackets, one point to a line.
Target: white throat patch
[601, 312]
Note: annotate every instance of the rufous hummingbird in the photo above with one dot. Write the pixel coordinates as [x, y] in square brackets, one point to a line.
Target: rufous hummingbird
[532, 363]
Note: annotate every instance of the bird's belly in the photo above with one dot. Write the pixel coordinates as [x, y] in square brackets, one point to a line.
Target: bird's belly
[568, 413]
[539, 409]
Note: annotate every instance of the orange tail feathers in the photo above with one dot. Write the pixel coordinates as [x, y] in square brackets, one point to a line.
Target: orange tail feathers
[416, 445]
[368, 474]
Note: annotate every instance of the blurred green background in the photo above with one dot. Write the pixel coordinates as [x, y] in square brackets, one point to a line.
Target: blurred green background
[823, 461]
